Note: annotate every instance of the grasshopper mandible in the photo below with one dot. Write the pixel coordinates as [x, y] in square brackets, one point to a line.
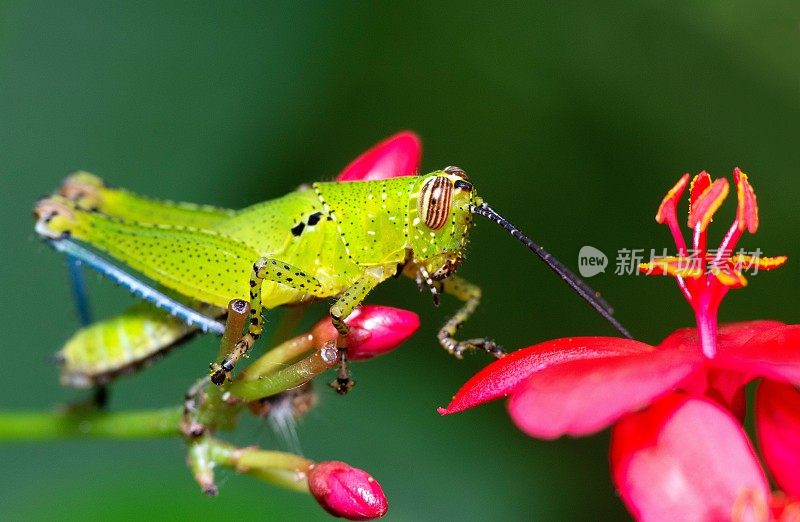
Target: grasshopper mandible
[325, 240]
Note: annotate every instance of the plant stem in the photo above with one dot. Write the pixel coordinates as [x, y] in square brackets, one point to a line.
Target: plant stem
[279, 357]
[290, 377]
[141, 424]
[282, 469]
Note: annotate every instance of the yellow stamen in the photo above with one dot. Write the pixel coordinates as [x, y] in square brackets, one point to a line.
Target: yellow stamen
[671, 198]
[747, 210]
[707, 204]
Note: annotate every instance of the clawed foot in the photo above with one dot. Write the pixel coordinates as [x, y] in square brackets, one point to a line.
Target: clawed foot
[342, 385]
[219, 373]
[485, 344]
[343, 382]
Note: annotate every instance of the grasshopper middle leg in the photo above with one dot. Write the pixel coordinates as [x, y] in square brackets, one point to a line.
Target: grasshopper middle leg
[340, 310]
[265, 269]
[470, 294]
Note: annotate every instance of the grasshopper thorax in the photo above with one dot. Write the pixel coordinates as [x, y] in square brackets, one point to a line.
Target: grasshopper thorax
[440, 220]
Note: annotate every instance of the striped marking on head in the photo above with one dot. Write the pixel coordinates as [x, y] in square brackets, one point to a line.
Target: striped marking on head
[435, 201]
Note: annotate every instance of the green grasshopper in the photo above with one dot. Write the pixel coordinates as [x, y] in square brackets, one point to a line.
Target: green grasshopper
[325, 240]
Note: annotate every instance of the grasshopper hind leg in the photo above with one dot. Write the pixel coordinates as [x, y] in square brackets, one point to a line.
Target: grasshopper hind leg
[80, 294]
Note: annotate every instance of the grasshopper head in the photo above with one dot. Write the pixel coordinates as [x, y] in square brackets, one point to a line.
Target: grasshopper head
[440, 220]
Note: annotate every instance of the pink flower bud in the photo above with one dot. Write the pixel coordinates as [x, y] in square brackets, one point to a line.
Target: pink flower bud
[397, 155]
[374, 330]
[347, 492]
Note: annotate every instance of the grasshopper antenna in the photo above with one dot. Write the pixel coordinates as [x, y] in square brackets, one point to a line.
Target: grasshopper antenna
[576, 283]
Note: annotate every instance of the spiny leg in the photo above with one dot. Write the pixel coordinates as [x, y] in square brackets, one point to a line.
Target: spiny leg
[424, 280]
[341, 309]
[470, 294]
[265, 269]
[80, 296]
[202, 318]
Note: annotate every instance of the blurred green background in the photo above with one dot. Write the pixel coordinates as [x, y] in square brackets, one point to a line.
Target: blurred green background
[571, 119]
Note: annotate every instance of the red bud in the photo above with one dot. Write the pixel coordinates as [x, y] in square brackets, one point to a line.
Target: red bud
[374, 330]
[347, 492]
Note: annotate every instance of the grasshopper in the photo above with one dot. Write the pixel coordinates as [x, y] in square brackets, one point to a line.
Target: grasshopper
[326, 240]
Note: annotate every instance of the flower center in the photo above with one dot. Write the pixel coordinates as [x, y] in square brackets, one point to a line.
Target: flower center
[705, 275]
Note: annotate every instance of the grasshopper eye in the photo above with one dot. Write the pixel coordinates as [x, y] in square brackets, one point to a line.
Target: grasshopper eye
[435, 201]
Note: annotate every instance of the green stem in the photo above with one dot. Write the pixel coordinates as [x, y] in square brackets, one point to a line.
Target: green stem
[246, 459]
[279, 357]
[290, 377]
[29, 426]
[277, 467]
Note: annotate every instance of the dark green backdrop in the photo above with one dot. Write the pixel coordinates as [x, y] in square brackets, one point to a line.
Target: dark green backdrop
[572, 120]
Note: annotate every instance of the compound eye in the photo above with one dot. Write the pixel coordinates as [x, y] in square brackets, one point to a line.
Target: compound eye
[435, 201]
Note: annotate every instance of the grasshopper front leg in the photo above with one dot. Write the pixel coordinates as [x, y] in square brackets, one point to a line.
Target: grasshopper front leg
[470, 294]
[341, 309]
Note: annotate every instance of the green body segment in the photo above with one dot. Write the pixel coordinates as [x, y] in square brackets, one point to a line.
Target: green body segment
[99, 352]
[340, 239]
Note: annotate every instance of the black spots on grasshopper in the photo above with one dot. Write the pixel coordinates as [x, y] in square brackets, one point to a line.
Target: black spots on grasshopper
[310, 221]
[298, 229]
[314, 218]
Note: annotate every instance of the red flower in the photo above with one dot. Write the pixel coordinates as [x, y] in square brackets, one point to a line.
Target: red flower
[345, 491]
[577, 386]
[688, 459]
[778, 425]
[397, 155]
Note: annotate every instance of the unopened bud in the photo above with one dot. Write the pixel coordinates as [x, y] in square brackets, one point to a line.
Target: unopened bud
[347, 492]
[374, 330]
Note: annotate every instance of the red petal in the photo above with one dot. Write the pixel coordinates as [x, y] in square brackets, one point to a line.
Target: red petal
[778, 426]
[502, 376]
[581, 397]
[687, 459]
[727, 389]
[774, 353]
[729, 336]
[398, 155]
